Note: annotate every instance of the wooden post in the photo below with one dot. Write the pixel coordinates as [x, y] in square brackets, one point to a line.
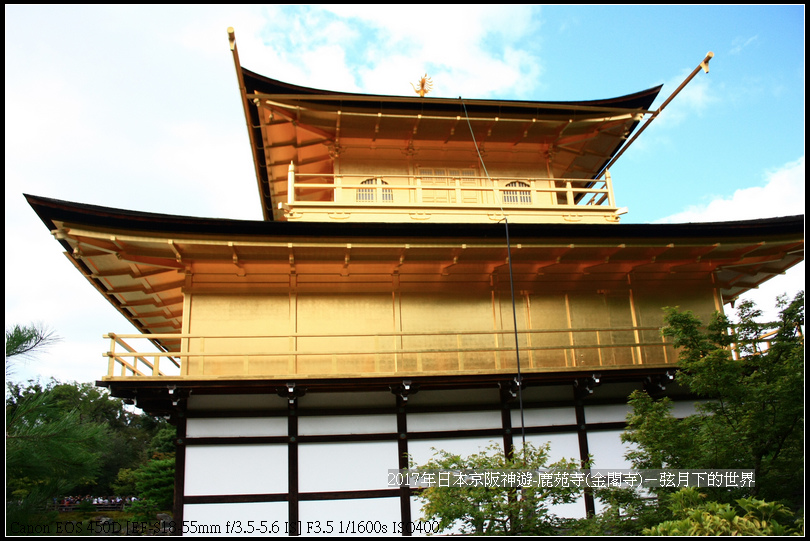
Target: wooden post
[291, 184]
[111, 362]
[609, 186]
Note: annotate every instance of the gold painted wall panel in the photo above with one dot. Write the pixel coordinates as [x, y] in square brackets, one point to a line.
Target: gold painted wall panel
[588, 312]
[621, 316]
[548, 311]
[337, 333]
[448, 313]
[253, 317]
[508, 358]
[601, 311]
[348, 314]
[651, 297]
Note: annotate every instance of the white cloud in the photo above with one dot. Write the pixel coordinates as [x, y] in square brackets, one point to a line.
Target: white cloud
[693, 99]
[781, 195]
[477, 51]
[766, 294]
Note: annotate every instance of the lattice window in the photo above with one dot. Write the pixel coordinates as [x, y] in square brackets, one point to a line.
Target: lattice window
[369, 195]
[517, 197]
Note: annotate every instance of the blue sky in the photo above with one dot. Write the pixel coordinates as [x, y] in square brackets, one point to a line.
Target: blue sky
[138, 107]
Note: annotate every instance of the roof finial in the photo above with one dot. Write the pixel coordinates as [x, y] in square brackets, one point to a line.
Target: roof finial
[425, 86]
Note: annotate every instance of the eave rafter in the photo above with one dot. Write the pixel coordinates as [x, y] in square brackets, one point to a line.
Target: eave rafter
[157, 302]
[293, 118]
[133, 272]
[146, 288]
[294, 143]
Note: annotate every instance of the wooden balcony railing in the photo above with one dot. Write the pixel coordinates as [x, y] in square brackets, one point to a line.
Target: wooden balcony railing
[415, 193]
[392, 353]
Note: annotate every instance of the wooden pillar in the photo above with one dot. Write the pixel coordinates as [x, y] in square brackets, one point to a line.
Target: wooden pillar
[584, 452]
[402, 455]
[292, 465]
[179, 471]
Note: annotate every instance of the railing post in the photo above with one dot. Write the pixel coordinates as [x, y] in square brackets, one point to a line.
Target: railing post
[202, 358]
[377, 353]
[609, 186]
[569, 195]
[396, 355]
[338, 197]
[599, 348]
[291, 184]
[460, 353]
[497, 356]
[291, 364]
[111, 362]
[664, 342]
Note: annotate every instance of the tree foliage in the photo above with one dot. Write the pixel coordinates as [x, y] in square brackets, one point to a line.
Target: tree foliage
[27, 340]
[483, 510]
[127, 435]
[747, 516]
[154, 483]
[48, 453]
[64, 438]
[48, 450]
[624, 512]
[754, 413]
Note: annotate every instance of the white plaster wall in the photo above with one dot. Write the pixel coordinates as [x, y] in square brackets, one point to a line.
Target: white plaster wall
[239, 519]
[346, 424]
[235, 469]
[609, 413]
[544, 417]
[236, 427]
[467, 420]
[349, 518]
[608, 450]
[420, 450]
[345, 466]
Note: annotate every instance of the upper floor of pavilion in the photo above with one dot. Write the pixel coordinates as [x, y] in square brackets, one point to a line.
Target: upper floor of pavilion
[335, 156]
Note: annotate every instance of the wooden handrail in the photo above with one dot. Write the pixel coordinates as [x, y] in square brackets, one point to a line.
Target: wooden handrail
[601, 190]
[346, 345]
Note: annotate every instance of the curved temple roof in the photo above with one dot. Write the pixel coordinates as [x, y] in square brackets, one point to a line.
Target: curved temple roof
[140, 261]
[311, 127]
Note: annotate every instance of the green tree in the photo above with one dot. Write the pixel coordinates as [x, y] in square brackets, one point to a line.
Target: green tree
[128, 435]
[624, 512]
[747, 516]
[49, 451]
[754, 415]
[26, 341]
[154, 483]
[484, 510]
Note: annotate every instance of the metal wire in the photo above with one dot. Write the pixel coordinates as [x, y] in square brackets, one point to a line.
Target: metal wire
[511, 281]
